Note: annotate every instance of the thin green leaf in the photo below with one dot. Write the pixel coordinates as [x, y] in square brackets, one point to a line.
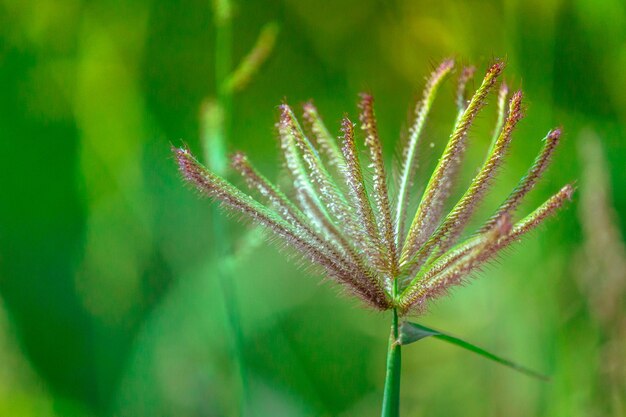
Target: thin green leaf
[412, 332]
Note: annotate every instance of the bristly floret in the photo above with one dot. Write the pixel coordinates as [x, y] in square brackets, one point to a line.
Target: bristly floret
[357, 234]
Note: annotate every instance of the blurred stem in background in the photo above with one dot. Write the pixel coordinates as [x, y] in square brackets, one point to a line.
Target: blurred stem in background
[216, 115]
[601, 273]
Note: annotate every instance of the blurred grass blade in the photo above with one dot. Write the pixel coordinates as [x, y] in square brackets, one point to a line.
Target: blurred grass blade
[412, 332]
[250, 65]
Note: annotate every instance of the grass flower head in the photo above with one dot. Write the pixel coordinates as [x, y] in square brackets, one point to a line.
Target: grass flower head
[343, 219]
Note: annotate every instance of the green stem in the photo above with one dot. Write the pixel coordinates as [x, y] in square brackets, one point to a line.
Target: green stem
[216, 132]
[391, 396]
[231, 303]
[215, 151]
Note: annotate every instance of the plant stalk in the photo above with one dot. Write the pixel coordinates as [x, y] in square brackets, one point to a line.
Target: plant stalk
[391, 395]
[216, 126]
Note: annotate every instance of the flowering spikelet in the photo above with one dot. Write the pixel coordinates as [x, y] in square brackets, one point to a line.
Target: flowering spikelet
[325, 141]
[409, 154]
[381, 195]
[429, 210]
[357, 234]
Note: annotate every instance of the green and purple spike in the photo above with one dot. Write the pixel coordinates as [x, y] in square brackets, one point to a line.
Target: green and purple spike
[358, 235]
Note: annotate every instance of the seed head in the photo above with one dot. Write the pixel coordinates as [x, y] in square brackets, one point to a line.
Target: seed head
[358, 235]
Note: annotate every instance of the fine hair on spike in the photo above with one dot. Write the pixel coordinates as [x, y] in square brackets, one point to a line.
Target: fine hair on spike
[327, 144]
[503, 94]
[461, 90]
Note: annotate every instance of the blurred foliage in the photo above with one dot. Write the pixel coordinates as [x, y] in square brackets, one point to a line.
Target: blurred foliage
[109, 300]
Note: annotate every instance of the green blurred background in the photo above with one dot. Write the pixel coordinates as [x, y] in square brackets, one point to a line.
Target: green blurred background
[109, 299]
